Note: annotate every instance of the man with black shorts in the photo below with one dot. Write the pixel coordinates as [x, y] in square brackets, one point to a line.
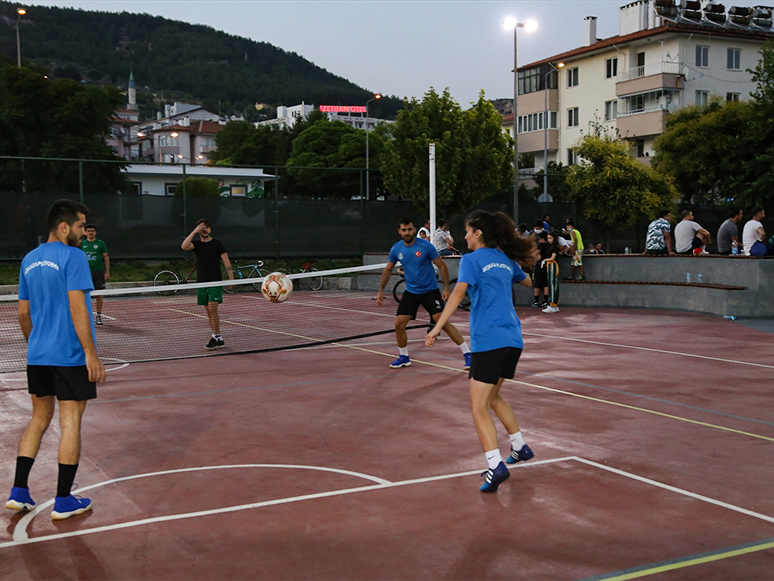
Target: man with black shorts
[209, 253]
[99, 264]
[56, 320]
[417, 257]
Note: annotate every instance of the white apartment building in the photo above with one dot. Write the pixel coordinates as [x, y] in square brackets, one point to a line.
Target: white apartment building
[354, 116]
[633, 81]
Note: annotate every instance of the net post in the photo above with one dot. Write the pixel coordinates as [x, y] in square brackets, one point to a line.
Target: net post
[185, 205]
[276, 215]
[362, 217]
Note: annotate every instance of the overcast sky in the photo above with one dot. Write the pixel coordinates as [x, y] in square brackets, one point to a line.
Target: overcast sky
[397, 47]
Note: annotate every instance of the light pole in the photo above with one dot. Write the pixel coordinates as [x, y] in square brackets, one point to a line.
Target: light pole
[368, 173]
[21, 12]
[545, 129]
[529, 26]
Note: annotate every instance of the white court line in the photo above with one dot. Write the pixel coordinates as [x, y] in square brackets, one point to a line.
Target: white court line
[565, 338]
[20, 531]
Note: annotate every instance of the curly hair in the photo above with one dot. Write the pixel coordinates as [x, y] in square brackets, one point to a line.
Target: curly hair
[499, 231]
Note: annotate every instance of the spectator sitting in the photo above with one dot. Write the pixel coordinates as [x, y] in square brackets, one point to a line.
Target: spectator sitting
[547, 223]
[596, 249]
[442, 240]
[690, 237]
[753, 230]
[424, 231]
[658, 239]
[729, 232]
[522, 231]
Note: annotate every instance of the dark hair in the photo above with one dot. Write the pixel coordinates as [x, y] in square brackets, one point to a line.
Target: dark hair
[522, 227]
[441, 223]
[87, 226]
[64, 211]
[537, 223]
[406, 220]
[663, 213]
[546, 216]
[554, 246]
[734, 212]
[497, 231]
[570, 223]
[543, 236]
[685, 213]
[205, 222]
[755, 210]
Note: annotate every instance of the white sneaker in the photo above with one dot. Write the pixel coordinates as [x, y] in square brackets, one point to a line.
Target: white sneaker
[703, 253]
[551, 310]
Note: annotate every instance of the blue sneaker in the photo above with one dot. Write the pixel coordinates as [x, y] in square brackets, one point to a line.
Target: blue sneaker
[494, 478]
[401, 361]
[520, 455]
[67, 506]
[20, 499]
[468, 356]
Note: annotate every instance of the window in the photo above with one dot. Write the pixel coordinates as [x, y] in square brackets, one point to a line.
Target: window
[702, 56]
[571, 158]
[640, 148]
[239, 190]
[702, 98]
[572, 77]
[532, 80]
[169, 189]
[611, 68]
[611, 110]
[734, 59]
[572, 117]
[732, 97]
[552, 116]
[535, 122]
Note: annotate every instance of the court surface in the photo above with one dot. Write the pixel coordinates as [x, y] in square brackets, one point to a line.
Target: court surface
[653, 435]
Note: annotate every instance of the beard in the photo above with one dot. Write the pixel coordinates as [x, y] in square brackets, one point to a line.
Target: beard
[73, 239]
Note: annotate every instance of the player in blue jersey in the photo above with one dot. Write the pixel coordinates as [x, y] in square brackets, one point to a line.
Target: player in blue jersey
[417, 257]
[488, 274]
[62, 363]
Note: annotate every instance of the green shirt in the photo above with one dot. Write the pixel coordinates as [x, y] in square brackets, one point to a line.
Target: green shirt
[94, 251]
[577, 235]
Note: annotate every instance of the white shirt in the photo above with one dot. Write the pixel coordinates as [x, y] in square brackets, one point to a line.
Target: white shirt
[750, 235]
[440, 239]
[685, 232]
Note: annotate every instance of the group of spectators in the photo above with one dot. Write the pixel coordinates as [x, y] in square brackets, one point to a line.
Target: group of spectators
[688, 236]
[441, 238]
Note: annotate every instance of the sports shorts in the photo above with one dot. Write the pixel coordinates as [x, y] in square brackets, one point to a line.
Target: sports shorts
[212, 294]
[490, 366]
[98, 279]
[577, 258]
[410, 302]
[66, 383]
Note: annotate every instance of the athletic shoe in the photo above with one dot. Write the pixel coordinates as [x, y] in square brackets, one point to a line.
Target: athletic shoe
[536, 304]
[545, 304]
[520, 455]
[20, 499]
[99, 320]
[494, 478]
[401, 361]
[468, 357]
[581, 277]
[702, 253]
[548, 309]
[67, 506]
[568, 277]
[215, 343]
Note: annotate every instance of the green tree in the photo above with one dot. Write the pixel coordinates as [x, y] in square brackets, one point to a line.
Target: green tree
[613, 188]
[473, 155]
[557, 182]
[198, 188]
[230, 140]
[56, 118]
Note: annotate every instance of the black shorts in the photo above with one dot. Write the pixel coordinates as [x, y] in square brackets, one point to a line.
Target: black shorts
[66, 383]
[659, 252]
[409, 303]
[490, 366]
[98, 279]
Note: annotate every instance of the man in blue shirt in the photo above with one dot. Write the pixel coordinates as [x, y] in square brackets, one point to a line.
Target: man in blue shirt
[56, 320]
[417, 257]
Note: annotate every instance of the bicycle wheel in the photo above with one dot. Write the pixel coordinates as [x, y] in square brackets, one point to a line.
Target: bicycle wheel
[258, 273]
[237, 276]
[315, 282]
[465, 302]
[168, 279]
[397, 290]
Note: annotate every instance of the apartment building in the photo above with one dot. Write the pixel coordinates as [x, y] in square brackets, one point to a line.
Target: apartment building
[667, 55]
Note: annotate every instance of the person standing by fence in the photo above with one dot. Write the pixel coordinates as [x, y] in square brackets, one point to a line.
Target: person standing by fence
[552, 271]
[99, 264]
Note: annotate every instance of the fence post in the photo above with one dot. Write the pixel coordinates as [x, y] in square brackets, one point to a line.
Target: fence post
[362, 217]
[185, 205]
[276, 215]
[80, 179]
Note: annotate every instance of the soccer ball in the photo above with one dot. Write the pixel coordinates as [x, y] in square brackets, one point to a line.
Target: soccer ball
[277, 287]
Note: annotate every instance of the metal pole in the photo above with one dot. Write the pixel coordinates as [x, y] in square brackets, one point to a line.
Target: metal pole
[18, 42]
[432, 191]
[515, 128]
[80, 179]
[368, 173]
[185, 204]
[545, 139]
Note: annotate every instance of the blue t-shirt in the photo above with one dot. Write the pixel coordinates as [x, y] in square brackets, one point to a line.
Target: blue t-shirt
[490, 275]
[417, 261]
[47, 274]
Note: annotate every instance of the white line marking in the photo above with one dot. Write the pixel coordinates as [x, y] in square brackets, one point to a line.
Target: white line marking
[565, 338]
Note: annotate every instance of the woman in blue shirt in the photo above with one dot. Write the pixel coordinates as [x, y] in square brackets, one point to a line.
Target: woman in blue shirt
[488, 274]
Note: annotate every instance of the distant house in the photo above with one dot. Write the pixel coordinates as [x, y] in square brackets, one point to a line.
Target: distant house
[123, 134]
[162, 180]
[186, 134]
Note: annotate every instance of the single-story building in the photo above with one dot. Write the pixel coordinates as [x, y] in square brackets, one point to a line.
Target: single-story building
[162, 180]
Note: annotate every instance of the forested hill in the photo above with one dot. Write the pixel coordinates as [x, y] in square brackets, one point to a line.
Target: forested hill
[180, 59]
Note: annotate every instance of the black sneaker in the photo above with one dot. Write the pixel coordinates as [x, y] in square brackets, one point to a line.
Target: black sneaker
[545, 304]
[568, 277]
[536, 304]
[581, 277]
[213, 344]
[99, 319]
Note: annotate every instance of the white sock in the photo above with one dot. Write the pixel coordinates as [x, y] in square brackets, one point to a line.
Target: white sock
[493, 458]
[517, 442]
[464, 347]
[404, 350]
[214, 336]
[219, 337]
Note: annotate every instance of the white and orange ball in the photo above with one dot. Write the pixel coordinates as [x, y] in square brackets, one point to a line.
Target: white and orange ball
[277, 287]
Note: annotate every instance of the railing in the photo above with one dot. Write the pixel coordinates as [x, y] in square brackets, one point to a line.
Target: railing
[648, 109]
[526, 173]
[669, 68]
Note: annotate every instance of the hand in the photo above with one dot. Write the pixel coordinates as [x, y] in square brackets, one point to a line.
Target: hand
[431, 337]
[445, 294]
[379, 299]
[107, 275]
[95, 368]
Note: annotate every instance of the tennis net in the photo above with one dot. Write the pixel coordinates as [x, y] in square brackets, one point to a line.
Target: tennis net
[157, 323]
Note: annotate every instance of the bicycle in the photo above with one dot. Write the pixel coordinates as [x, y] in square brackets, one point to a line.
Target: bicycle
[167, 278]
[314, 283]
[252, 270]
[400, 287]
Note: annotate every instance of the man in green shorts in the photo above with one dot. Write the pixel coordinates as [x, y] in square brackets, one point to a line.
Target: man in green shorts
[99, 263]
[209, 253]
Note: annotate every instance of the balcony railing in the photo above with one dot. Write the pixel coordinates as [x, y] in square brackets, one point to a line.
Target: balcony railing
[647, 109]
[667, 68]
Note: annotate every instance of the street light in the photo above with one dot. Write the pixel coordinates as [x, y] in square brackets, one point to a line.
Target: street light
[545, 129]
[368, 174]
[529, 26]
[21, 12]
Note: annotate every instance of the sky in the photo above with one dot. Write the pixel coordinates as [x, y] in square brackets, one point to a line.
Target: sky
[397, 47]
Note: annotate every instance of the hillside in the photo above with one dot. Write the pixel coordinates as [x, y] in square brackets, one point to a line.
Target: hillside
[182, 60]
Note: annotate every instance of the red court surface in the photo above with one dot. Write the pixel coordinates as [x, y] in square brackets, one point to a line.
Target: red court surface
[653, 435]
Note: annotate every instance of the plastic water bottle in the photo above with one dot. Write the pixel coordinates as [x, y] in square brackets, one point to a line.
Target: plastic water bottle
[700, 281]
[626, 250]
[730, 317]
[688, 277]
[734, 247]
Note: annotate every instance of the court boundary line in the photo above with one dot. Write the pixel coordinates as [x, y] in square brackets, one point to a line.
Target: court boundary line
[21, 537]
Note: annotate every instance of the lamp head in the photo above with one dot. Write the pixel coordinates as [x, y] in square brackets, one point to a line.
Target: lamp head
[530, 26]
[510, 23]
[140, 134]
[21, 11]
[378, 96]
[174, 134]
[560, 66]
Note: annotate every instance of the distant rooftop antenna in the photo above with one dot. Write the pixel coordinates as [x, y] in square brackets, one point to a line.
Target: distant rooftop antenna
[712, 14]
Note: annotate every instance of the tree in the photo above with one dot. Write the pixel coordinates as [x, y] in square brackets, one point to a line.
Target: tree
[612, 187]
[473, 155]
[56, 118]
[230, 139]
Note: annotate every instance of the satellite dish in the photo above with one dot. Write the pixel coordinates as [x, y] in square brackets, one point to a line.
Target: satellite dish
[673, 107]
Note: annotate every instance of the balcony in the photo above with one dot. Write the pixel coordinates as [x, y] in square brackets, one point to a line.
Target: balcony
[648, 121]
[664, 75]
